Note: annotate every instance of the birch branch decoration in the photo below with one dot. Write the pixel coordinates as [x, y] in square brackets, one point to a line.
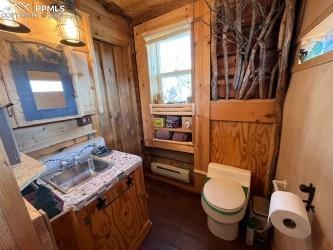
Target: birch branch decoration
[243, 39]
[214, 53]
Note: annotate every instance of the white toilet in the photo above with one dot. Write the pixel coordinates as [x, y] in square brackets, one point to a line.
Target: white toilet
[224, 198]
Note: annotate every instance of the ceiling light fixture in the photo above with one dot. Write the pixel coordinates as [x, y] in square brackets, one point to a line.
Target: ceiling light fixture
[10, 20]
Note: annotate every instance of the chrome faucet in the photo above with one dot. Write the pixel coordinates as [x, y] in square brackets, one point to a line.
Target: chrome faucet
[66, 164]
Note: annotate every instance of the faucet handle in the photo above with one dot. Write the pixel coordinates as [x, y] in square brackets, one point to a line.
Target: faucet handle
[63, 164]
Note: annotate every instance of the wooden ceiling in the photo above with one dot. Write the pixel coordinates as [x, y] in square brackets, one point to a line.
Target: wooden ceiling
[142, 10]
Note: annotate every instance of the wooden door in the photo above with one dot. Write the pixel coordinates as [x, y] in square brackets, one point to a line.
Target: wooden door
[16, 228]
[119, 123]
[121, 223]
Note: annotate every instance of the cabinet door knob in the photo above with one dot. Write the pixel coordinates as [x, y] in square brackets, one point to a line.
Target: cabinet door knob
[101, 203]
[129, 181]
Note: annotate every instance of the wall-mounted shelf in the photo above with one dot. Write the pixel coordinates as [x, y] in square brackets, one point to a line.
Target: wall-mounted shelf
[187, 147]
[181, 130]
[182, 109]
[163, 110]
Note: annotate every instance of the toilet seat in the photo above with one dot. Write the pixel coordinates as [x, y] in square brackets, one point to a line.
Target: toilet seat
[225, 196]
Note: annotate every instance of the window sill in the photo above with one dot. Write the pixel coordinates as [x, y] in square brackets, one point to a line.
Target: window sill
[328, 57]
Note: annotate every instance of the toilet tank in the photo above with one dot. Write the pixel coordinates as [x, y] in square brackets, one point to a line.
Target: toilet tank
[220, 171]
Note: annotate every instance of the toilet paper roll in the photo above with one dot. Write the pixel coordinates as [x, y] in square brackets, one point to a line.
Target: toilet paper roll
[288, 215]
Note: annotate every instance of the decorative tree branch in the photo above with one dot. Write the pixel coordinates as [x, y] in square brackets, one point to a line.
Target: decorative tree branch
[225, 48]
[287, 31]
[249, 42]
[262, 66]
[264, 28]
[213, 45]
[250, 45]
[272, 79]
[253, 87]
[239, 39]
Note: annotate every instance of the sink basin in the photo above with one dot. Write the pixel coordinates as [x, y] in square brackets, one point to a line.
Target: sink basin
[67, 180]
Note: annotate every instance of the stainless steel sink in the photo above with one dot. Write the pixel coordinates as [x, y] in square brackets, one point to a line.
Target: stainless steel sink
[69, 179]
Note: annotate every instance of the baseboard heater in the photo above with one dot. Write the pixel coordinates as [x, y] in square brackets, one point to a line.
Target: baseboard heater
[179, 174]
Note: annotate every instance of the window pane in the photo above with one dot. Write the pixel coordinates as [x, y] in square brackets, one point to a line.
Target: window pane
[175, 53]
[170, 63]
[177, 88]
[318, 41]
[46, 86]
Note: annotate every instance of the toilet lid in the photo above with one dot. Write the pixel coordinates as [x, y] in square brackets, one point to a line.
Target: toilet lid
[226, 195]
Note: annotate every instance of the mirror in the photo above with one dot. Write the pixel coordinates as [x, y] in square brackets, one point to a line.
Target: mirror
[43, 80]
[47, 90]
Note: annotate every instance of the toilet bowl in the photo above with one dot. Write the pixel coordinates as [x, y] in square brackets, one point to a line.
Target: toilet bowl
[224, 199]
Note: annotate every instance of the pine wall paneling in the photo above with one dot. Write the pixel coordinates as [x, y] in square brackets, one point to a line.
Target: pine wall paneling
[242, 135]
[81, 72]
[119, 121]
[196, 12]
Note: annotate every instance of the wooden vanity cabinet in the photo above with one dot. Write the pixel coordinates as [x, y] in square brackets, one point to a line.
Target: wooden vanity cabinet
[117, 220]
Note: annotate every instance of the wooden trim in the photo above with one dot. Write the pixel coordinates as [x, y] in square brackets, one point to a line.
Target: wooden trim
[201, 37]
[199, 180]
[105, 26]
[262, 111]
[142, 235]
[166, 28]
[168, 20]
[196, 186]
[16, 227]
[199, 172]
[183, 14]
[186, 186]
[159, 10]
[326, 58]
[316, 22]
[93, 62]
[42, 226]
[180, 130]
[172, 109]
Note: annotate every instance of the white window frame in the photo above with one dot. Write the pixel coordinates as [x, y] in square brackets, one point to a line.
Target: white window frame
[152, 46]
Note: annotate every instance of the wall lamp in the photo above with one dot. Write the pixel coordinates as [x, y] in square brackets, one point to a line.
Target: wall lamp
[69, 24]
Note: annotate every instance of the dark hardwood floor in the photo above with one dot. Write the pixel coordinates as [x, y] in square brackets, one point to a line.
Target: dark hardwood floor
[179, 222]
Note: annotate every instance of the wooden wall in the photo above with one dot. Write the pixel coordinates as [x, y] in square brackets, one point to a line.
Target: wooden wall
[43, 139]
[242, 135]
[195, 13]
[119, 122]
[116, 77]
[39, 140]
[306, 154]
[106, 27]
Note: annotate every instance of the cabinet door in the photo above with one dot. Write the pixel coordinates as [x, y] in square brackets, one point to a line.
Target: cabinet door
[118, 224]
[83, 82]
[64, 231]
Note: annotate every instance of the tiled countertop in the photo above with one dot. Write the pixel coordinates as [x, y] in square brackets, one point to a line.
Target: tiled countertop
[123, 163]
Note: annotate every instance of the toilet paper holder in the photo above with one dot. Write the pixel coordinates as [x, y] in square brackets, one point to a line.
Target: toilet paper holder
[311, 191]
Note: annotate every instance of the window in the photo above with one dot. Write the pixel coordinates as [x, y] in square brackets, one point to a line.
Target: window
[170, 66]
[318, 42]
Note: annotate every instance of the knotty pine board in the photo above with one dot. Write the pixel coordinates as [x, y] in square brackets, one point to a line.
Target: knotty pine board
[30, 139]
[244, 145]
